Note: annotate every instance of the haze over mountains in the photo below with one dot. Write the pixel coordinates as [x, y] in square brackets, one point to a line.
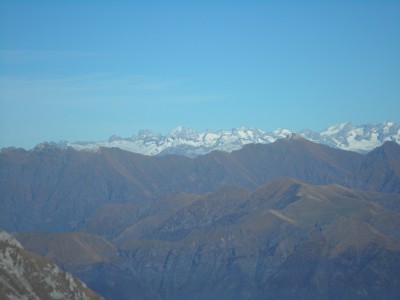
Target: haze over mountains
[291, 219]
[55, 188]
[188, 142]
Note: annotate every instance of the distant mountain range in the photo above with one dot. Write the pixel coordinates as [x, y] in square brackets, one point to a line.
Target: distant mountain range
[190, 143]
[290, 219]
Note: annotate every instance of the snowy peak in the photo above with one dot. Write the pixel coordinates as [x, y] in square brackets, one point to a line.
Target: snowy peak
[145, 133]
[362, 138]
[342, 128]
[282, 133]
[186, 141]
[294, 137]
[183, 133]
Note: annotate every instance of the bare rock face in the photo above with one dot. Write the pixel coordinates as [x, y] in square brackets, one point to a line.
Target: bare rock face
[25, 275]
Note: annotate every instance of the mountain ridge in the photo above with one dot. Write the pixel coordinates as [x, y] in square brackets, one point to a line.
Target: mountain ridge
[188, 142]
[326, 242]
[62, 186]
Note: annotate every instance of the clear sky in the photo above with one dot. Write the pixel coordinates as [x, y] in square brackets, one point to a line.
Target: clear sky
[84, 70]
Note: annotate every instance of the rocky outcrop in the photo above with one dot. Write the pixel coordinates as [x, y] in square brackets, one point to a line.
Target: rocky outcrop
[25, 275]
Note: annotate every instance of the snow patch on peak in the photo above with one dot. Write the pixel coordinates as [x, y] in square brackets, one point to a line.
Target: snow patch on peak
[143, 133]
[7, 238]
[294, 137]
[336, 128]
[183, 132]
[49, 146]
[191, 143]
[282, 132]
[388, 123]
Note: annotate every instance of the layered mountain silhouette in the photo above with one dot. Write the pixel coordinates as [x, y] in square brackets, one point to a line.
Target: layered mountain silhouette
[286, 239]
[288, 220]
[54, 189]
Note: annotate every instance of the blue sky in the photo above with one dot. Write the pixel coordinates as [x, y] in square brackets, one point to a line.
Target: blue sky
[84, 70]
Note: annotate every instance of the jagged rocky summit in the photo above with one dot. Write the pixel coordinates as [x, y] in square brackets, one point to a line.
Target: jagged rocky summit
[188, 142]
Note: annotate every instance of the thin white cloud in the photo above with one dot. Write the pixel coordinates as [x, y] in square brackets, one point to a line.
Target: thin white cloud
[97, 88]
[93, 88]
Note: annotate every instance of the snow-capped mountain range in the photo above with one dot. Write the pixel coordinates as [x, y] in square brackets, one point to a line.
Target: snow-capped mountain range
[360, 138]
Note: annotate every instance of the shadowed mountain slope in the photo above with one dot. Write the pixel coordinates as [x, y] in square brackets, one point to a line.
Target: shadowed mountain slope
[69, 250]
[111, 220]
[53, 189]
[380, 170]
[284, 240]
